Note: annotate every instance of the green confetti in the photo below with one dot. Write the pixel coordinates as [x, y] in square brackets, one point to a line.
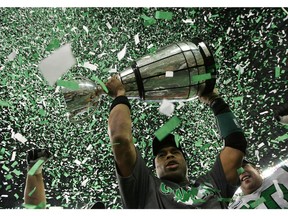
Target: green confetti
[54, 44]
[42, 112]
[201, 77]
[5, 103]
[16, 196]
[41, 205]
[240, 98]
[35, 167]
[101, 84]
[257, 202]
[14, 164]
[8, 177]
[167, 128]
[73, 85]
[277, 72]
[5, 168]
[240, 170]
[164, 15]
[282, 138]
[177, 139]
[17, 172]
[198, 143]
[2, 151]
[148, 20]
[32, 191]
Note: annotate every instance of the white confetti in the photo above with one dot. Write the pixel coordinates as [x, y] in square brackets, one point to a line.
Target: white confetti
[265, 112]
[188, 21]
[260, 145]
[166, 108]
[90, 66]
[150, 46]
[136, 39]
[86, 29]
[122, 53]
[83, 183]
[57, 64]
[181, 104]
[100, 55]
[89, 148]
[257, 154]
[100, 44]
[169, 74]
[91, 53]
[278, 189]
[108, 25]
[13, 156]
[20, 137]
[12, 56]
[77, 162]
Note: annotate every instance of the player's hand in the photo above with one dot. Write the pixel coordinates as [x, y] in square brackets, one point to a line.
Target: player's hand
[115, 87]
[34, 155]
[208, 98]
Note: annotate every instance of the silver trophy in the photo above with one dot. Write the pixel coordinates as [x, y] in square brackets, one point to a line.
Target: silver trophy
[178, 72]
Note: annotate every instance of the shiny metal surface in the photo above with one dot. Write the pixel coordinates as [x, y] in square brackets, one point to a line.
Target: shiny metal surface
[183, 58]
[83, 100]
[146, 78]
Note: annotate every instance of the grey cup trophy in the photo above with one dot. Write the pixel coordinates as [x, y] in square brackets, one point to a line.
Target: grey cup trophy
[178, 72]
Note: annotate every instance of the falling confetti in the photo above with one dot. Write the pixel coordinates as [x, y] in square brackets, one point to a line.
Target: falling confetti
[255, 39]
[57, 64]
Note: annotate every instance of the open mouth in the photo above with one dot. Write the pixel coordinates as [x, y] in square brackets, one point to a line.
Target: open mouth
[172, 164]
[245, 177]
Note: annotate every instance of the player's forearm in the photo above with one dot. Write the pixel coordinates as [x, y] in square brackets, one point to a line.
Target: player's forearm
[228, 126]
[34, 193]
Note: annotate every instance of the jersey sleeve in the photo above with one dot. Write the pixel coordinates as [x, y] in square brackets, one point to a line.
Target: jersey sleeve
[227, 190]
[137, 183]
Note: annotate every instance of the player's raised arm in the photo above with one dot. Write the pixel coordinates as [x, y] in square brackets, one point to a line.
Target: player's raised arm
[235, 142]
[119, 128]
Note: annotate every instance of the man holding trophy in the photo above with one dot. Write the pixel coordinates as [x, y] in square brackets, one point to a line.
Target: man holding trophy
[178, 72]
[139, 188]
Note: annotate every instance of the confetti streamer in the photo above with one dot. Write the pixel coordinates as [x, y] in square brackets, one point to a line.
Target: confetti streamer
[136, 39]
[68, 84]
[122, 53]
[85, 29]
[201, 77]
[35, 167]
[167, 128]
[101, 84]
[90, 66]
[163, 15]
[32, 191]
[57, 64]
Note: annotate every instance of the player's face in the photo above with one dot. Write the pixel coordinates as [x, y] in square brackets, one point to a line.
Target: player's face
[250, 180]
[171, 165]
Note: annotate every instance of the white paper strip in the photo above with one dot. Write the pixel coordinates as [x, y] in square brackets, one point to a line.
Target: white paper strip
[169, 74]
[86, 29]
[122, 53]
[90, 66]
[57, 64]
[136, 39]
[12, 56]
[20, 137]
